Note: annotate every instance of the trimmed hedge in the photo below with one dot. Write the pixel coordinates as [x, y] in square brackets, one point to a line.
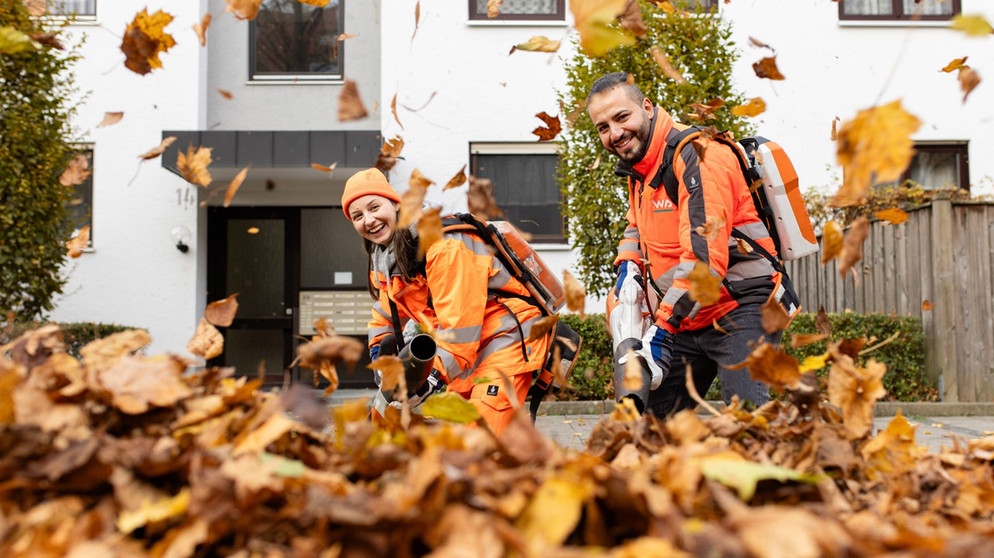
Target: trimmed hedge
[905, 379]
[74, 334]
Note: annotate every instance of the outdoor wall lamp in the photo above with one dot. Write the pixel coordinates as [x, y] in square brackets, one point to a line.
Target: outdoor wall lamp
[182, 236]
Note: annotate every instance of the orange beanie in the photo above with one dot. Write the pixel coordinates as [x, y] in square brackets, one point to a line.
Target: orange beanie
[365, 182]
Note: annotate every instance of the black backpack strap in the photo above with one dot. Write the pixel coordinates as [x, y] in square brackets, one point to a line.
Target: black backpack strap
[664, 175]
[395, 318]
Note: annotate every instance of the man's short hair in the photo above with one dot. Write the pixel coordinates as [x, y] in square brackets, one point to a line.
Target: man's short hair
[617, 79]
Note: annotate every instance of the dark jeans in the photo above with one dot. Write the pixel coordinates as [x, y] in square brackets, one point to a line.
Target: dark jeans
[711, 353]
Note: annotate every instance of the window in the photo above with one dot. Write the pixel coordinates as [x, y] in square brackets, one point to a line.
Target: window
[940, 165]
[81, 206]
[898, 9]
[524, 182]
[290, 39]
[78, 8]
[520, 10]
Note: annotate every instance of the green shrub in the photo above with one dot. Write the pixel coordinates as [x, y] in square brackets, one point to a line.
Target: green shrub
[591, 379]
[74, 334]
[905, 379]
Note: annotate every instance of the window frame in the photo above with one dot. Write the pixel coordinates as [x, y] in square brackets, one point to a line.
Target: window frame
[959, 148]
[294, 77]
[477, 148]
[899, 15]
[75, 16]
[559, 16]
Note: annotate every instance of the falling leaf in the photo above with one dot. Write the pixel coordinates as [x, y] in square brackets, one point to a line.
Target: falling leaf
[767, 68]
[76, 172]
[855, 390]
[972, 25]
[13, 41]
[110, 118]
[664, 64]
[225, 94]
[493, 8]
[754, 107]
[705, 111]
[335, 349]
[244, 9]
[315, 3]
[631, 19]
[347, 36]
[756, 42]
[393, 111]
[480, 199]
[417, 19]
[852, 247]
[330, 168]
[632, 381]
[350, 106]
[207, 342]
[927, 305]
[456, 181]
[744, 475]
[78, 243]
[770, 365]
[391, 370]
[543, 327]
[538, 43]
[954, 65]
[705, 287]
[49, 39]
[144, 39]
[893, 215]
[236, 183]
[429, 230]
[389, 153]
[451, 407]
[201, 29]
[193, 165]
[411, 203]
[596, 22]
[968, 80]
[419, 180]
[804, 339]
[713, 226]
[876, 146]
[831, 242]
[551, 130]
[774, 316]
[222, 312]
[159, 149]
[576, 293]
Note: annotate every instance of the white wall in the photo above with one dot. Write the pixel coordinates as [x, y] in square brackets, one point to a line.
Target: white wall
[135, 275]
[835, 69]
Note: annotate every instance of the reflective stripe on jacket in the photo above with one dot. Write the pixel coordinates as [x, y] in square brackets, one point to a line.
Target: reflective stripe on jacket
[713, 198]
[471, 301]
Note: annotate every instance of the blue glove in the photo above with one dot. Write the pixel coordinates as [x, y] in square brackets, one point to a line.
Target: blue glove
[628, 271]
[657, 349]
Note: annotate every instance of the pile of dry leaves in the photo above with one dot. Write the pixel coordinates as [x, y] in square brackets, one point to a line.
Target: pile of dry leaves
[123, 454]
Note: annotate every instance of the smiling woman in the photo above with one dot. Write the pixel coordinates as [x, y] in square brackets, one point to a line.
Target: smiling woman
[290, 39]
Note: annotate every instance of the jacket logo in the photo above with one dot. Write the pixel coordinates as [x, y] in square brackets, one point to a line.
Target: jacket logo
[492, 390]
[662, 206]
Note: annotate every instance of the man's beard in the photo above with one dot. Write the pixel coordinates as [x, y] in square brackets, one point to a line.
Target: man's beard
[642, 137]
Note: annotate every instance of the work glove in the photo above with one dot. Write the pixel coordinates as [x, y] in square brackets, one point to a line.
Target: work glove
[433, 384]
[627, 309]
[657, 349]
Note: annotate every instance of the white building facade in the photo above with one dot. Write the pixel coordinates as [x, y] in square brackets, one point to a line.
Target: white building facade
[265, 95]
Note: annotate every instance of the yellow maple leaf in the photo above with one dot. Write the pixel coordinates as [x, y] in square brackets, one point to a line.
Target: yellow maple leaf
[876, 146]
[144, 39]
[596, 22]
[193, 165]
[972, 25]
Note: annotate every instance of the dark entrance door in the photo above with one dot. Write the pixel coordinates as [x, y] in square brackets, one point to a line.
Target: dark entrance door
[277, 258]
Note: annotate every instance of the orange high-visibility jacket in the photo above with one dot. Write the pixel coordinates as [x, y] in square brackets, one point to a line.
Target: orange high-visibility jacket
[713, 198]
[472, 301]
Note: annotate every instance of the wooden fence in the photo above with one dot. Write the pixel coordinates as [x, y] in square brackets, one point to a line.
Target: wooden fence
[938, 266]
